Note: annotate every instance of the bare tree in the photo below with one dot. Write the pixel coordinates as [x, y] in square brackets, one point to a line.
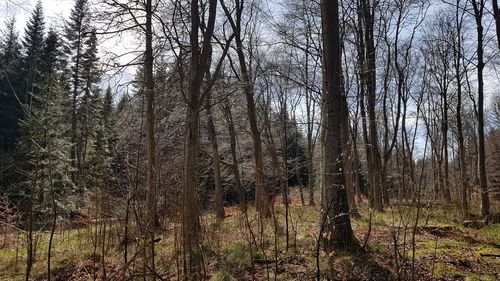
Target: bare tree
[261, 193]
[478, 8]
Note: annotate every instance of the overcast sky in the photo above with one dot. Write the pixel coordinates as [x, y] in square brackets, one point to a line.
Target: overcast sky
[21, 10]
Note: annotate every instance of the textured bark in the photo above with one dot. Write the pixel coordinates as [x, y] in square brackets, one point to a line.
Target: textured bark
[335, 208]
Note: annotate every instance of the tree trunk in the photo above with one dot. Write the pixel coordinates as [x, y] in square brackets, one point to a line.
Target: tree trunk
[347, 157]
[212, 136]
[199, 63]
[478, 14]
[235, 167]
[261, 193]
[496, 15]
[369, 80]
[336, 220]
[460, 134]
[150, 141]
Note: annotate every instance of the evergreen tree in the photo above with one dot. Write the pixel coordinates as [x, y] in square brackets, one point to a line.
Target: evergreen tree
[77, 29]
[98, 162]
[10, 109]
[10, 106]
[90, 115]
[107, 112]
[33, 47]
[44, 141]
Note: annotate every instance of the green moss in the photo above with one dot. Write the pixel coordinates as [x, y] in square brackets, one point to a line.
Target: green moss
[442, 270]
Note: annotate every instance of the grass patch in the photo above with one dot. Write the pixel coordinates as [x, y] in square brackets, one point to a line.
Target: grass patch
[442, 270]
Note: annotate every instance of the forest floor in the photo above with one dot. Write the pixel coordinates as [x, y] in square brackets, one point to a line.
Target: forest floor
[444, 249]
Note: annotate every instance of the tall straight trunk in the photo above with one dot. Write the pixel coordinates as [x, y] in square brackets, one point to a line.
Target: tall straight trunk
[460, 134]
[150, 141]
[310, 127]
[199, 65]
[478, 7]
[369, 73]
[446, 170]
[284, 178]
[235, 166]
[212, 136]
[310, 147]
[262, 198]
[336, 220]
[361, 101]
[191, 225]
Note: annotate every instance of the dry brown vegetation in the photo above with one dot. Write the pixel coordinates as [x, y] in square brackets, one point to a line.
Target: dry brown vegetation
[444, 249]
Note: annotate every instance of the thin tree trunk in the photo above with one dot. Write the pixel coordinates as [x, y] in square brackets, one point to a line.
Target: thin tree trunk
[235, 166]
[460, 133]
[212, 136]
[370, 80]
[150, 143]
[478, 7]
[261, 192]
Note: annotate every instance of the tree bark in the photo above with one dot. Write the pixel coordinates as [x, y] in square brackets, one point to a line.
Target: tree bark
[335, 208]
[478, 7]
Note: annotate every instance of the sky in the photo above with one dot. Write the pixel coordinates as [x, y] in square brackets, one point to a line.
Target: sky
[21, 10]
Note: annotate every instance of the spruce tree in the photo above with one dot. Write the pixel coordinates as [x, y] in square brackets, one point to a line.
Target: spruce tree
[77, 29]
[10, 106]
[90, 110]
[33, 46]
[44, 141]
